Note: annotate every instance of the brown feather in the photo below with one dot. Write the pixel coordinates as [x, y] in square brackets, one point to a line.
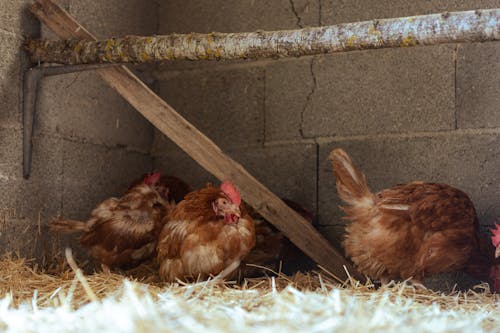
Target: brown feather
[122, 232]
[195, 243]
[408, 231]
[67, 226]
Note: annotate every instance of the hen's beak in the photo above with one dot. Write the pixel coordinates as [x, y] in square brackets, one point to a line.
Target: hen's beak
[233, 214]
[497, 252]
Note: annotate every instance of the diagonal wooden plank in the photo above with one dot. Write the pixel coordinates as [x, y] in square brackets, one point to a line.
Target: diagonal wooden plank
[201, 148]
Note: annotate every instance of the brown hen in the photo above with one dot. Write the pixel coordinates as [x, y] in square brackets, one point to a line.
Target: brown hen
[205, 235]
[123, 232]
[409, 231]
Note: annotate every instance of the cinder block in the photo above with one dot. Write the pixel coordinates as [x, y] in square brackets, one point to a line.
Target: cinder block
[20, 236]
[41, 193]
[341, 11]
[223, 16]
[31, 238]
[478, 85]
[81, 105]
[467, 161]
[11, 154]
[170, 159]
[115, 18]
[289, 171]
[10, 80]
[93, 173]
[288, 87]
[227, 106]
[16, 18]
[382, 91]
[27, 205]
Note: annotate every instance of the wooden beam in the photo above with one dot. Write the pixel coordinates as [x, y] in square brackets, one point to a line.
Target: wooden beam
[201, 148]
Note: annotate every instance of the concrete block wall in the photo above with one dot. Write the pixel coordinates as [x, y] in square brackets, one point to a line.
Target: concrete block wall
[423, 113]
[89, 144]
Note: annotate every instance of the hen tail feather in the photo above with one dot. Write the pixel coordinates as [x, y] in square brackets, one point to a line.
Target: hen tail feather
[351, 183]
[67, 226]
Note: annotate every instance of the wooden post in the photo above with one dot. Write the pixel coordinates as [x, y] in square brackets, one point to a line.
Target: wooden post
[467, 26]
[201, 148]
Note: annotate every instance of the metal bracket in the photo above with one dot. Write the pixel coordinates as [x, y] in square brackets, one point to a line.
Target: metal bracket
[31, 81]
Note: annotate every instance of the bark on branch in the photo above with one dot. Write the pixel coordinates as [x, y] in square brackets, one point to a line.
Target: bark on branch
[468, 26]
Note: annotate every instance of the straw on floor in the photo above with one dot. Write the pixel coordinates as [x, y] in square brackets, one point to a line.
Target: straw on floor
[37, 301]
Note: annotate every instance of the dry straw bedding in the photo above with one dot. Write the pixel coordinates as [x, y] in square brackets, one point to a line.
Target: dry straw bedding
[34, 301]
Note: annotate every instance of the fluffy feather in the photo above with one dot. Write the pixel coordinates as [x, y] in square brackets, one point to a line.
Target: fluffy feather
[123, 232]
[197, 243]
[407, 231]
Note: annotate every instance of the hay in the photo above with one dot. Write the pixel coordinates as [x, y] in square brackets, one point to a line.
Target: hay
[55, 301]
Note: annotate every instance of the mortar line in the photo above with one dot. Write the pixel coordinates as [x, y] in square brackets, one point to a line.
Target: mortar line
[63, 178]
[82, 140]
[455, 110]
[460, 131]
[328, 139]
[264, 112]
[156, 86]
[317, 185]
[167, 74]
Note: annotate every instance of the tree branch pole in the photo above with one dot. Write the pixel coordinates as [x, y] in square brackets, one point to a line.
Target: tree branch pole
[467, 26]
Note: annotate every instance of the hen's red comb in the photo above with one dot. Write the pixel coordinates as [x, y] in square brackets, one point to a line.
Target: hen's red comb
[152, 178]
[496, 235]
[232, 193]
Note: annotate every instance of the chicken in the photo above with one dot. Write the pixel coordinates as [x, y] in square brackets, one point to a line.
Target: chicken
[409, 231]
[205, 234]
[123, 232]
[272, 249]
[170, 187]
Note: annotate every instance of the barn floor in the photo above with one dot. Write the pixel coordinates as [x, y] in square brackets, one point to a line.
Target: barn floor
[314, 302]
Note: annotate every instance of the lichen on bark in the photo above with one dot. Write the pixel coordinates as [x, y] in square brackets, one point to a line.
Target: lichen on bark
[468, 26]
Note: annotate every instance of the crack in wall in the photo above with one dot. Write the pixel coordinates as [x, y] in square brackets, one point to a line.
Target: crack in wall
[308, 99]
[155, 84]
[319, 13]
[294, 11]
